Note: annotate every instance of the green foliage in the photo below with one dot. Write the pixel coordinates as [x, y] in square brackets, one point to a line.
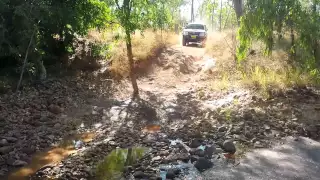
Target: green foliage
[263, 18]
[101, 50]
[143, 14]
[211, 10]
[112, 166]
[56, 23]
[207, 10]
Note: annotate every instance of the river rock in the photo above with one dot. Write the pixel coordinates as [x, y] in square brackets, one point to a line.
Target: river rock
[18, 163]
[51, 137]
[258, 144]
[311, 129]
[203, 164]
[170, 174]
[164, 152]
[200, 153]
[139, 174]
[57, 125]
[11, 139]
[2, 173]
[222, 129]
[218, 150]
[183, 157]
[155, 178]
[194, 158]
[267, 127]
[173, 114]
[157, 158]
[55, 109]
[209, 150]
[193, 151]
[3, 142]
[236, 130]
[195, 143]
[229, 146]
[5, 149]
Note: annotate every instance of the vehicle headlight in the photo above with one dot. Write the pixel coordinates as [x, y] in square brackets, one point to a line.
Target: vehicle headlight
[185, 33]
[202, 34]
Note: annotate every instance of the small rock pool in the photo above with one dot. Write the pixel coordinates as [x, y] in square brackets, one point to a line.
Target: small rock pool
[113, 166]
[120, 163]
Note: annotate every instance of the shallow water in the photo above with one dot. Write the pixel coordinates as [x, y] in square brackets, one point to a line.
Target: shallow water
[50, 157]
[112, 167]
[188, 171]
[152, 128]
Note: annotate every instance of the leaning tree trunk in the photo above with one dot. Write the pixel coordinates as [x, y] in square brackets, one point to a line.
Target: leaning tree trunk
[131, 66]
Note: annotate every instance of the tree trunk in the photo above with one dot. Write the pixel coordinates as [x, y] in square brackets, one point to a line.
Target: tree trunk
[192, 13]
[131, 66]
[220, 18]
[315, 40]
[293, 50]
[238, 7]
[212, 19]
[226, 21]
[315, 51]
[270, 43]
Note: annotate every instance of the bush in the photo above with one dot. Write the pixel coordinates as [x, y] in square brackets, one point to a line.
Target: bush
[54, 23]
[260, 72]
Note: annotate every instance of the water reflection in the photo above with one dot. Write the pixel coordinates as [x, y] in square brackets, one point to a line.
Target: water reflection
[50, 157]
[112, 167]
[152, 128]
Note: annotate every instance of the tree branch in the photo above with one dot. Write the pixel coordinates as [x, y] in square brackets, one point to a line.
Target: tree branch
[130, 5]
[25, 59]
[117, 3]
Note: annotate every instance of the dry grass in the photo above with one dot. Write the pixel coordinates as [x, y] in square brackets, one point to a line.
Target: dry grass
[257, 71]
[145, 48]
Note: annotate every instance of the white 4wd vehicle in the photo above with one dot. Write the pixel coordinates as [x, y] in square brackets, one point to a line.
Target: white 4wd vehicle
[195, 33]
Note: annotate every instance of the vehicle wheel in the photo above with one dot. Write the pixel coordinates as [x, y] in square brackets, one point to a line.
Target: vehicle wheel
[184, 43]
[203, 44]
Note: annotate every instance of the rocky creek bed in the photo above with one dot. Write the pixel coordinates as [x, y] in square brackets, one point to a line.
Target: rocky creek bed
[179, 107]
[189, 120]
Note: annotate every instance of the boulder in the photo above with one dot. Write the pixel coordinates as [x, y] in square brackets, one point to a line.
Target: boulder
[229, 146]
[203, 164]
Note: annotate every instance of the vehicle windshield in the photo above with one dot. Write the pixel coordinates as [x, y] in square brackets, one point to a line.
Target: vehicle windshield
[195, 26]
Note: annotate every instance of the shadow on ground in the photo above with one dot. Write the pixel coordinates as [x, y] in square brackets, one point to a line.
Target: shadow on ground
[297, 158]
[258, 124]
